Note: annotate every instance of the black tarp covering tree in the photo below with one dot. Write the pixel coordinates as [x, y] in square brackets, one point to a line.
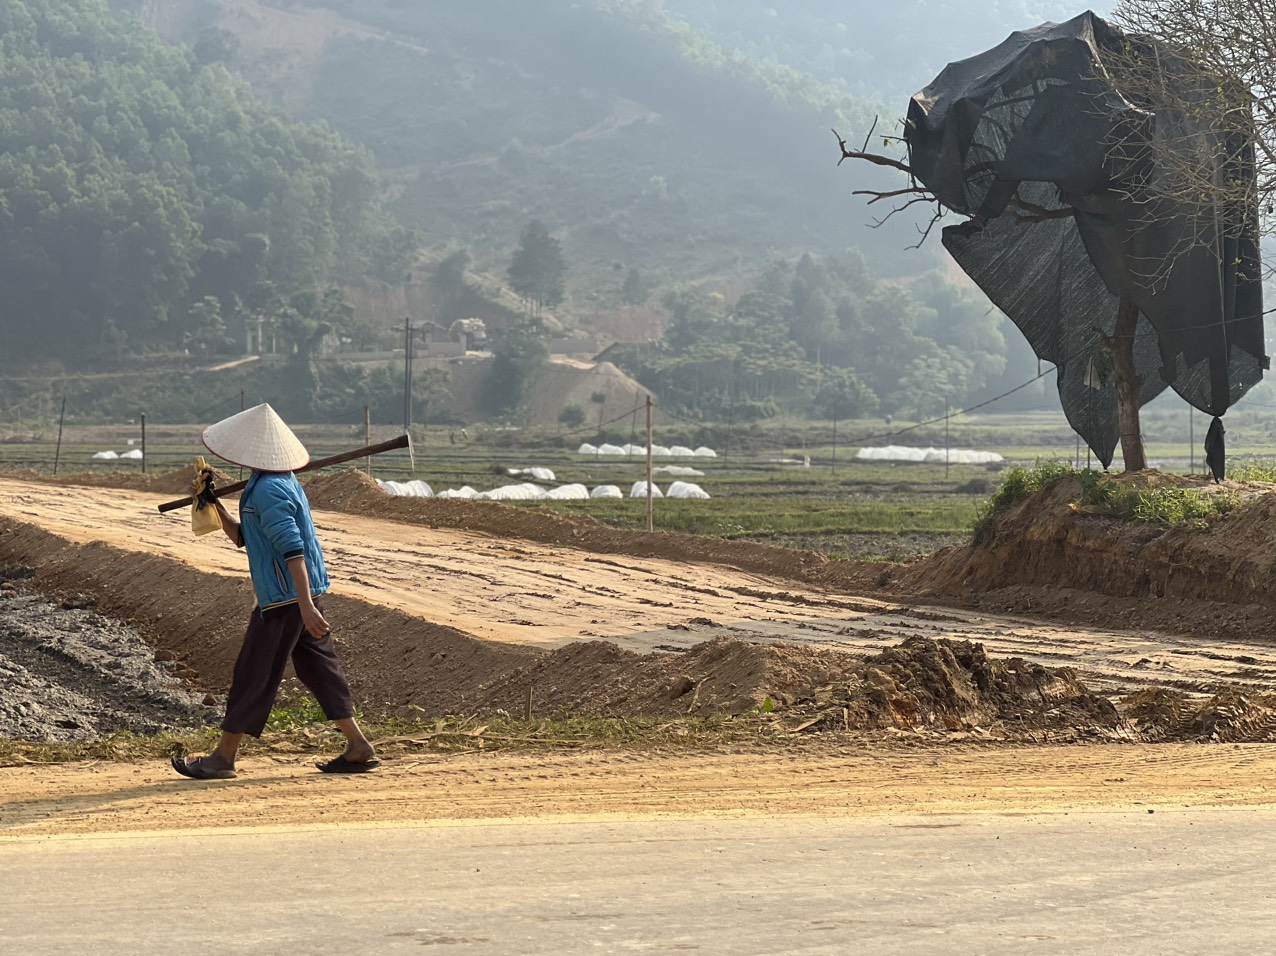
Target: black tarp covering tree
[1069, 232]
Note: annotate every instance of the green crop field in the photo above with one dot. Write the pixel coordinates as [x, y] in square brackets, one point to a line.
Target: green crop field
[835, 504]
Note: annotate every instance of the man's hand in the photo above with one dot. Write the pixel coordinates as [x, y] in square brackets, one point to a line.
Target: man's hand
[205, 481]
[313, 621]
[311, 617]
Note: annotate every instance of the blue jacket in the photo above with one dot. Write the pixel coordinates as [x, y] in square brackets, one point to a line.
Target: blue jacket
[274, 518]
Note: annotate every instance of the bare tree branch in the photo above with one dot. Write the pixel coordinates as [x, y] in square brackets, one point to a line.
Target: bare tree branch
[923, 195]
[918, 195]
[862, 153]
[1214, 91]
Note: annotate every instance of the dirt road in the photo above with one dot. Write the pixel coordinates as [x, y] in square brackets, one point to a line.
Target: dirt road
[520, 592]
[850, 780]
[529, 593]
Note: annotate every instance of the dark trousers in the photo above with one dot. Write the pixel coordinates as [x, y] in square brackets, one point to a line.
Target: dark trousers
[272, 637]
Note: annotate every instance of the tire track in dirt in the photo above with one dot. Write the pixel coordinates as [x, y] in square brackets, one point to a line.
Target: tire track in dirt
[856, 779]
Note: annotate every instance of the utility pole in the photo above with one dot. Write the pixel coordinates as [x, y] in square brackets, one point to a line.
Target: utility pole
[143, 442]
[408, 329]
[947, 452]
[835, 434]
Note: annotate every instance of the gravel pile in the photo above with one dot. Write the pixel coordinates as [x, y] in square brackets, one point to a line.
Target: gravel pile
[67, 673]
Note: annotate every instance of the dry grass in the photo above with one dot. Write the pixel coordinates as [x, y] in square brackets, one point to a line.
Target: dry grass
[397, 737]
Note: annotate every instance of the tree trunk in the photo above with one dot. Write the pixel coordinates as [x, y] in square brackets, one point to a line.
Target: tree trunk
[1128, 386]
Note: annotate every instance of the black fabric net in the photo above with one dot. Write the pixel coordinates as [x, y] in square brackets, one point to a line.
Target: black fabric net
[1052, 164]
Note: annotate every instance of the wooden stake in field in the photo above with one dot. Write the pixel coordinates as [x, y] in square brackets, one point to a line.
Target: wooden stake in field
[57, 453]
[650, 522]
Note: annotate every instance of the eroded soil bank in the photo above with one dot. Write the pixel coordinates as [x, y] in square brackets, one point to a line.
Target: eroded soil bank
[813, 656]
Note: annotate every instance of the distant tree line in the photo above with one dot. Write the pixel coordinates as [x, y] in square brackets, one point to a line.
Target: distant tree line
[146, 197]
[823, 338]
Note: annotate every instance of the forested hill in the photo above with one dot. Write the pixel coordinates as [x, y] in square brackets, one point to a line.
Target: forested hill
[145, 194]
[882, 50]
[640, 143]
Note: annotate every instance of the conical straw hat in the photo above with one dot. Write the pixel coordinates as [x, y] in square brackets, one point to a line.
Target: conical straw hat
[257, 438]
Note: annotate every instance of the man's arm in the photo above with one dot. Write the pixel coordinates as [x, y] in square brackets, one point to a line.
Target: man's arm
[229, 525]
[311, 618]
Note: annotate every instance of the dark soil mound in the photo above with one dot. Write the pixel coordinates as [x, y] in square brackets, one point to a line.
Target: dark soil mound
[1160, 713]
[919, 685]
[954, 685]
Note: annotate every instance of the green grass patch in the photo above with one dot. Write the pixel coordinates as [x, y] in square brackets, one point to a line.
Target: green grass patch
[304, 711]
[1166, 505]
[753, 518]
[1163, 504]
[1258, 469]
[1021, 483]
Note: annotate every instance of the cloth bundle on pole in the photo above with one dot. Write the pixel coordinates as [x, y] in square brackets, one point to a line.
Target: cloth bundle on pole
[1057, 168]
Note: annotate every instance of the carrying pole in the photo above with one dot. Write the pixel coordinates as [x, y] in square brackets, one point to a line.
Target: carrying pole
[401, 442]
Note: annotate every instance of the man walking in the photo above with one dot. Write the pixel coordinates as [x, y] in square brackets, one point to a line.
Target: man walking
[288, 575]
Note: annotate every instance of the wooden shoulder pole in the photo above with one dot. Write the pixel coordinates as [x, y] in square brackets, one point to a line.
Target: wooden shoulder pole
[391, 445]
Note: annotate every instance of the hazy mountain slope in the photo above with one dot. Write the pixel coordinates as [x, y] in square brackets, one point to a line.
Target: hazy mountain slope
[887, 50]
[639, 145]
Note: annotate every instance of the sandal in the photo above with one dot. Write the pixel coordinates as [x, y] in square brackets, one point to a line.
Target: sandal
[194, 768]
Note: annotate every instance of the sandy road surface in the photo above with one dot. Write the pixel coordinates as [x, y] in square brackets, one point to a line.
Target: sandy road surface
[809, 779]
[531, 593]
[516, 590]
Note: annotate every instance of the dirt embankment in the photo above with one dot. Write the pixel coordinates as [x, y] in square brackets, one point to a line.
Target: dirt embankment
[1043, 555]
[397, 659]
[199, 618]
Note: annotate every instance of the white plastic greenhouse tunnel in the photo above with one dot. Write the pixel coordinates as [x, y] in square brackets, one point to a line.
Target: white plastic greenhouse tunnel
[686, 489]
[572, 492]
[639, 490]
[407, 489]
[535, 473]
[640, 451]
[465, 491]
[523, 492]
[956, 456]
